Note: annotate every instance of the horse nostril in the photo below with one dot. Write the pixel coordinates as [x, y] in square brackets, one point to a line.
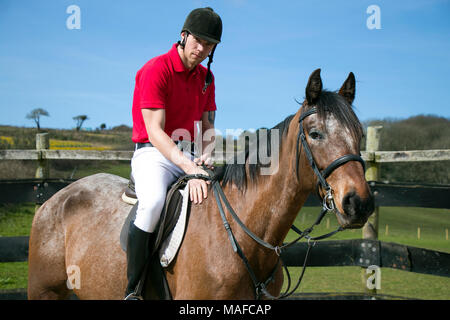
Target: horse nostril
[351, 203]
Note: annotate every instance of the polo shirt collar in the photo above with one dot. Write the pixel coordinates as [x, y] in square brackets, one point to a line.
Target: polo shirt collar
[176, 60]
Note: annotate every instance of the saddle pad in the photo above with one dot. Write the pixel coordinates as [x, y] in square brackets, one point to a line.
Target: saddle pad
[171, 244]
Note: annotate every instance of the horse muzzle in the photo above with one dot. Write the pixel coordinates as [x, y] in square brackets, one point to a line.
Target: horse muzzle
[356, 210]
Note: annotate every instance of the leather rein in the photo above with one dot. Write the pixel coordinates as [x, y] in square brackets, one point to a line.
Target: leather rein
[328, 204]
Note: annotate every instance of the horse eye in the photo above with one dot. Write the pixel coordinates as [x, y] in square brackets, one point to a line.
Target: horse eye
[315, 135]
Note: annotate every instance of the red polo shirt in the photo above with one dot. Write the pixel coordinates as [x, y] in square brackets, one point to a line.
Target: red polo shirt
[164, 83]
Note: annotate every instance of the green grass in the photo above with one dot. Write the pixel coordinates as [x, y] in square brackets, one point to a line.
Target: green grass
[120, 168]
[403, 222]
[13, 275]
[16, 219]
[393, 282]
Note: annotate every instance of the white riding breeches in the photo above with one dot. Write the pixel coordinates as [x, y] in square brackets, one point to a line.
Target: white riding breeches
[153, 174]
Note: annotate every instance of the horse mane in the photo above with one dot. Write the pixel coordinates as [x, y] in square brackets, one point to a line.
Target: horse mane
[328, 101]
[235, 173]
[331, 101]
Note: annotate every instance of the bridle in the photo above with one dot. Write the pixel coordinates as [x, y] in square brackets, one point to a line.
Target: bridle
[328, 204]
[328, 199]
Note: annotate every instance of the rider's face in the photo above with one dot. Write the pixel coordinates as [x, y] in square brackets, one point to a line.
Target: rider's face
[195, 51]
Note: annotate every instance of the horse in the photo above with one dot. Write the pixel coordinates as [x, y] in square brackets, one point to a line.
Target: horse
[79, 226]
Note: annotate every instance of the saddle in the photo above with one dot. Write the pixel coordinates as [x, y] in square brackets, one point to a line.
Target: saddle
[171, 210]
[169, 215]
[169, 233]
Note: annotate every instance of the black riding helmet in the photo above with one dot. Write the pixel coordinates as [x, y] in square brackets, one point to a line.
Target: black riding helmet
[205, 24]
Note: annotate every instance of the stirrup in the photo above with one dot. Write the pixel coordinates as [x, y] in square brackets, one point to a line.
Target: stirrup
[133, 296]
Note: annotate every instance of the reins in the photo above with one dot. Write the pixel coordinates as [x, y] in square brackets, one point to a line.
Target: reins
[328, 204]
[261, 286]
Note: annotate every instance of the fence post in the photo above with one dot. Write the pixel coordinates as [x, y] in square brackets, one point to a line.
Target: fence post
[43, 170]
[370, 229]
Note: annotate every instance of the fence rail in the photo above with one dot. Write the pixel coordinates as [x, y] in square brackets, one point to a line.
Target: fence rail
[355, 252]
[386, 194]
[377, 156]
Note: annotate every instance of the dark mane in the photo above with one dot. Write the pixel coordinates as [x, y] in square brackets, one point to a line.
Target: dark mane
[337, 105]
[236, 173]
[328, 101]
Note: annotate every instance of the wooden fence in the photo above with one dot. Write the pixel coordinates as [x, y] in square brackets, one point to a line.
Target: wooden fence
[358, 252]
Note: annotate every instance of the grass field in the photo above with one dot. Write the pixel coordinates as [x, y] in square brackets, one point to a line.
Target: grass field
[16, 220]
[403, 224]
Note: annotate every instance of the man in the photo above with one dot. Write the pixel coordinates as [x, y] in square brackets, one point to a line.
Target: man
[172, 92]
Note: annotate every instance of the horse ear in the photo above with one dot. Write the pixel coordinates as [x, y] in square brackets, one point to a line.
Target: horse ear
[314, 87]
[348, 88]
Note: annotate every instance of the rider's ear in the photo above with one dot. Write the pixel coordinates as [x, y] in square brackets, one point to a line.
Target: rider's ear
[348, 88]
[314, 87]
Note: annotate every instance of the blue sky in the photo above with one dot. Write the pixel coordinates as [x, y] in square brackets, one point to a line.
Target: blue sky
[268, 51]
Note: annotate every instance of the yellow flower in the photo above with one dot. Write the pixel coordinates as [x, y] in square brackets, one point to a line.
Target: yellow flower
[9, 140]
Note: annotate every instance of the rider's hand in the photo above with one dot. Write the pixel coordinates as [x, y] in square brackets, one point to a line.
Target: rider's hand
[198, 189]
[206, 160]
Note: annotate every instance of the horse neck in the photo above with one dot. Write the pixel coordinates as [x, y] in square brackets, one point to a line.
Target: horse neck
[272, 202]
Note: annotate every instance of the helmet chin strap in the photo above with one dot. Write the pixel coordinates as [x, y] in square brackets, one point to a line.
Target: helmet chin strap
[208, 78]
[183, 42]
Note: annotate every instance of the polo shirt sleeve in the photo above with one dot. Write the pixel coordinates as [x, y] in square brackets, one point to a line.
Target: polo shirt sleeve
[153, 86]
[211, 102]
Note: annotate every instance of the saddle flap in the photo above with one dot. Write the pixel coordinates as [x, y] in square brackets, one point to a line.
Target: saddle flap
[169, 216]
[171, 244]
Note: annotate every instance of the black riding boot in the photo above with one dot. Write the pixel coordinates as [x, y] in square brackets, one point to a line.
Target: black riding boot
[137, 255]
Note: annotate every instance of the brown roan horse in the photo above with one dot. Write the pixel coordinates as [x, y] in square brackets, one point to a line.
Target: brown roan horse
[80, 225]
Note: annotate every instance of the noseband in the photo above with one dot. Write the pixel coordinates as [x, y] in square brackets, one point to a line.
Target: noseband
[328, 199]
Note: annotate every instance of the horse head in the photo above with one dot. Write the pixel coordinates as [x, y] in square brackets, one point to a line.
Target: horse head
[329, 128]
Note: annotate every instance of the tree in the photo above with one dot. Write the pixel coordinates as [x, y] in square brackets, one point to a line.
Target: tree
[35, 115]
[80, 119]
[103, 126]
